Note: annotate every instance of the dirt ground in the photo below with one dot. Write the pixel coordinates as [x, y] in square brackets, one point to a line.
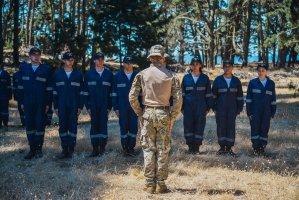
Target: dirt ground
[113, 176]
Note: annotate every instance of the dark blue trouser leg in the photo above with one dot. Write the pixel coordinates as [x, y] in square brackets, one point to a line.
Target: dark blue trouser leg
[124, 128]
[189, 126]
[98, 132]
[199, 130]
[49, 117]
[133, 129]
[73, 123]
[231, 130]
[94, 136]
[221, 121]
[103, 116]
[30, 125]
[255, 124]
[4, 111]
[40, 127]
[265, 125]
[22, 114]
[63, 127]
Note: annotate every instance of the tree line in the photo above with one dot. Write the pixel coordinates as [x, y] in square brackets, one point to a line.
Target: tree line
[205, 28]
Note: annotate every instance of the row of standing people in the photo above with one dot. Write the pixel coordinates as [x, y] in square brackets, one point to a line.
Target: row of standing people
[100, 91]
[225, 98]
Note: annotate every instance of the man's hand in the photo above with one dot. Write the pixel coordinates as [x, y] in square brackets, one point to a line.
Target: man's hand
[117, 113]
[250, 117]
[79, 112]
[47, 108]
[140, 121]
[171, 124]
[56, 112]
[22, 107]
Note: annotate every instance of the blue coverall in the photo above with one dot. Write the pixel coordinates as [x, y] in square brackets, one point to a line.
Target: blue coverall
[197, 100]
[128, 120]
[35, 93]
[16, 78]
[261, 106]
[5, 96]
[228, 103]
[68, 97]
[98, 100]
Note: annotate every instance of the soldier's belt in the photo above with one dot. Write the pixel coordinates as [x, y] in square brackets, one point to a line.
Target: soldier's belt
[158, 107]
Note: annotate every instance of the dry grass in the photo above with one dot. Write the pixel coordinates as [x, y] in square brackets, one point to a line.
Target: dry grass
[112, 176]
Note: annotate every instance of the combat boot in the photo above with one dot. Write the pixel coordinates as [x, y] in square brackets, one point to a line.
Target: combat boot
[39, 152]
[71, 151]
[221, 151]
[31, 153]
[95, 151]
[63, 154]
[230, 152]
[102, 149]
[150, 189]
[195, 149]
[161, 188]
[190, 149]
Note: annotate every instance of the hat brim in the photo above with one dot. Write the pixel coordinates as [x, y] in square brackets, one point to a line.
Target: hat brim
[96, 58]
[158, 54]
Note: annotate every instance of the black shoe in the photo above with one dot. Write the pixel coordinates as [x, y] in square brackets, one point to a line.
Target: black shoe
[125, 152]
[71, 151]
[195, 149]
[102, 150]
[256, 151]
[39, 152]
[221, 151]
[131, 152]
[190, 149]
[64, 154]
[230, 152]
[95, 151]
[31, 153]
[262, 151]
[5, 128]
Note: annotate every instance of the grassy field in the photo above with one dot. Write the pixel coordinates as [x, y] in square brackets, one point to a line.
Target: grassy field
[113, 176]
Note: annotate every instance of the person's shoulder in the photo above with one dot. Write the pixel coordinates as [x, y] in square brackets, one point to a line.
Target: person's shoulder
[236, 79]
[254, 80]
[107, 69]
[205, 76]
[89, 72]
[77, 72]
[24, 66]
[118, 73]
[45, 66]
[218, 78]
[270, 81]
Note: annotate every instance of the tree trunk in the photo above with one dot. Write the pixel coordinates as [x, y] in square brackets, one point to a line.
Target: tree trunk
[282, 54]
[28, 22]
[246, 38]
[1, 33]
[31, 36]
[274, 55]
[79, 17]
[260, 32]
[16, 33]
[182, 43]
[84, 26]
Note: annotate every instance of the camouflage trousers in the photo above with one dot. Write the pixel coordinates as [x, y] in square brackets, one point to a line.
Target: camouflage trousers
[156, 144]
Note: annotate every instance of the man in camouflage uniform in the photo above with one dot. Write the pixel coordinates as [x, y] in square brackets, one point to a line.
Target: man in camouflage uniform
[157, 85]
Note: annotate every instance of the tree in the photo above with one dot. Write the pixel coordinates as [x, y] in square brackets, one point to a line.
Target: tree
[16, 33]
